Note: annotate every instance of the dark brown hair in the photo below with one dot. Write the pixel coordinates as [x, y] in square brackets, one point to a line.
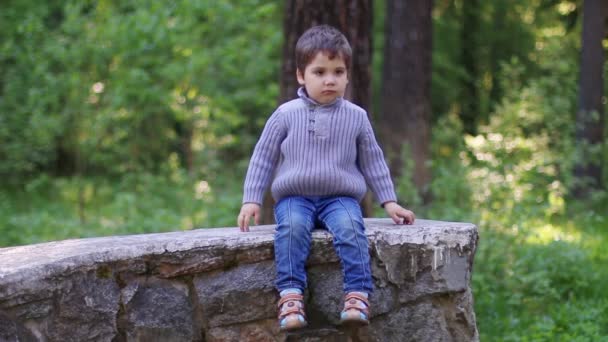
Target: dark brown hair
[322, 38]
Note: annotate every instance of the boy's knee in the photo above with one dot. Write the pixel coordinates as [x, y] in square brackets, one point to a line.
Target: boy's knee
[296, 226]
[348, 223]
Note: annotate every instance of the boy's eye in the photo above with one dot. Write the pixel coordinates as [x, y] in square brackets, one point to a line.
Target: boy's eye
[339, 72]
[318, 72]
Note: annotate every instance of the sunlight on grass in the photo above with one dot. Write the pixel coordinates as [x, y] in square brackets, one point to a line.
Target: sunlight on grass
[548, 233]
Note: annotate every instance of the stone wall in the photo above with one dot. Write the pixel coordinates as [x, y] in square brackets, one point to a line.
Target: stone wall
[217, 285]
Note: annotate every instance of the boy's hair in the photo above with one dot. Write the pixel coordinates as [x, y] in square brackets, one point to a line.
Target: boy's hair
[322, 38]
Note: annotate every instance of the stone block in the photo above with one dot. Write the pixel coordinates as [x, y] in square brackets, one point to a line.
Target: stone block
[241, 294]
[158, 311]
[218, 285]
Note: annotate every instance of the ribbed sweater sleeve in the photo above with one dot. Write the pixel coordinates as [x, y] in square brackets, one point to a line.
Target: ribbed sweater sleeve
[264, 159]
[373, 166]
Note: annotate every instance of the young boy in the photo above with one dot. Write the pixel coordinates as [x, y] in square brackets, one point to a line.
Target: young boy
[324, 152]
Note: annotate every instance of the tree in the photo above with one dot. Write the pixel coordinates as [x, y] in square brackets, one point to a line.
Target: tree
[351, 17]
[590, 115]
[470, 93]
[406, 108]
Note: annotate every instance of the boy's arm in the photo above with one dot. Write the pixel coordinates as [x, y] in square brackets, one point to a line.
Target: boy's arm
[378, 177]
[262, 164]
[373, 166]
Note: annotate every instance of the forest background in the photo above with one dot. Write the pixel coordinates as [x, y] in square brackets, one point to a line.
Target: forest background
[122, 117]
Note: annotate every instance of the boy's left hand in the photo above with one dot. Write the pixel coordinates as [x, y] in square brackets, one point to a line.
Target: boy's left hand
[399, 214]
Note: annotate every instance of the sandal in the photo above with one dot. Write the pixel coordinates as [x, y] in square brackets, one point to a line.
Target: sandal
[356, 309]
[291, 312]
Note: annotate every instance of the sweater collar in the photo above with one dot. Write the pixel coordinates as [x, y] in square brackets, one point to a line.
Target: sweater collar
[304, 96]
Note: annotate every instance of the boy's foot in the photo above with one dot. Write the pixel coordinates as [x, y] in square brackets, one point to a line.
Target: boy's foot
[356, 309]
[291, 312]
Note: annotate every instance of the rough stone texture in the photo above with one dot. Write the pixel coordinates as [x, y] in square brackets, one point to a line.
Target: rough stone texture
[158, 311]
[84, 310]
[218, 285]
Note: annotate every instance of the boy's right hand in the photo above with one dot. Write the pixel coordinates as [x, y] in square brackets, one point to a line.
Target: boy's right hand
[248, 211]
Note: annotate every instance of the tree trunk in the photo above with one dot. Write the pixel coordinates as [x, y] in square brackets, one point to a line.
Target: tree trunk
[590, 116]
[184, 132]
[406, 108]
[498, 50]
[351, 17]
[470, 94]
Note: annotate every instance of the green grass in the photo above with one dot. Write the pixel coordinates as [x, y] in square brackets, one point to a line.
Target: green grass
[544, 281]
[536, 277]
[59, 208]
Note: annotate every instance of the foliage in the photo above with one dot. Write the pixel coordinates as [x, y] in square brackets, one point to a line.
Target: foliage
[528, 289]
[505, 31]
[51, 208]
[450, 188]
[524, 156]
[118, 86]
[539, 264]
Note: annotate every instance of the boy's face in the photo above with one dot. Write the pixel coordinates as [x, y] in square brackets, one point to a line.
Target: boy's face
[324, 79]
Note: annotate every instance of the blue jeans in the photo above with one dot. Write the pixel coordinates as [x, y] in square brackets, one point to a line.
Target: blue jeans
[296, 217]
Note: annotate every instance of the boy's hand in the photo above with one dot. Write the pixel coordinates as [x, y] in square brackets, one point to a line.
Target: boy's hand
[249, 210]
[399, 214]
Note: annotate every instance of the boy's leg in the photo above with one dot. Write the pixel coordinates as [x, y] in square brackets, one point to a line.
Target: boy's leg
[295, 222]
[343, 218]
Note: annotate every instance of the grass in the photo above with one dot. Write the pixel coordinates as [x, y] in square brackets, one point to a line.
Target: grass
[59, 208]
[536, 277]
[543, 281]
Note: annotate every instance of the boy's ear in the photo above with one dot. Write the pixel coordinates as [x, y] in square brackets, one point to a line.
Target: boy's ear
[300, 76]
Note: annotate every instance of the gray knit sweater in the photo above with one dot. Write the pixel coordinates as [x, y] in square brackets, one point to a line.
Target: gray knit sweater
[318, 150]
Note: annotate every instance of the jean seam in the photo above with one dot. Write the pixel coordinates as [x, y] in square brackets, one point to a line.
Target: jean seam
[290, 249]
[338, 251]
[358, 244]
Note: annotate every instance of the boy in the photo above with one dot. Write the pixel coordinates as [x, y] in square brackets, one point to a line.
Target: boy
[323, 150]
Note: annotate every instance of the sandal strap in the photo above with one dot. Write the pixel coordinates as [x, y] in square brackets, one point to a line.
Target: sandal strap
[353, 295]
[292, 310]
[350, 303]
[290, 297]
